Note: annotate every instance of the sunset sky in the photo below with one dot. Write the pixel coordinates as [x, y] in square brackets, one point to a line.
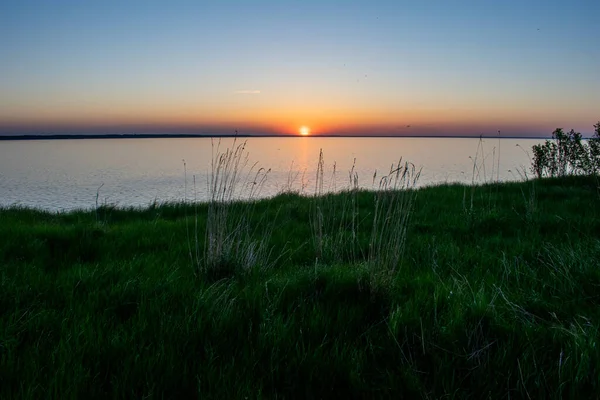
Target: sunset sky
[337, 67]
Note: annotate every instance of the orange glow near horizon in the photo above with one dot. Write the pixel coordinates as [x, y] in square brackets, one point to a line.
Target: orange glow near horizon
[281, 119]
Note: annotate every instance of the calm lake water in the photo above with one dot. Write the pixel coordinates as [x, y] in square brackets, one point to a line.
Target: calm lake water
[67, 174]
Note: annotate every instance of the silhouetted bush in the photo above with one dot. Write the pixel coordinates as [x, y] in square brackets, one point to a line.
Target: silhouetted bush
[594, 150]
[567, 154]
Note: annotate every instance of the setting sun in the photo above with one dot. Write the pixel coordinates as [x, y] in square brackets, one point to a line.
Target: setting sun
[305, 131]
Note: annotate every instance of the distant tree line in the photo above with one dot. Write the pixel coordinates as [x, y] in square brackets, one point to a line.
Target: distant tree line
[567, 154]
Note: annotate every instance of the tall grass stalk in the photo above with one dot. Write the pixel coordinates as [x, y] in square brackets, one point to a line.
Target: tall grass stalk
[344, 239]
[529, 198]
[317, 213]
[187, 226]
[334, 216]
[97, 204]
[478, 165]
[235, 237]
[481, 184]
[291, 179]
[393, 207]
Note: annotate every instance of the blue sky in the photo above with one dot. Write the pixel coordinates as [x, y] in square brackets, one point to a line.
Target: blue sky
[442, 67]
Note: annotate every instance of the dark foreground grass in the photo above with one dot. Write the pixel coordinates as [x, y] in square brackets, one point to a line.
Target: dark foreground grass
[497, 296]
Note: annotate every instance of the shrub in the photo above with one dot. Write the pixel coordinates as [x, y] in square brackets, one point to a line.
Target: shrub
[567, 154]
[594, 150]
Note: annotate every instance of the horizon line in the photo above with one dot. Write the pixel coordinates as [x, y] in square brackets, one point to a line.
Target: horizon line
[195, 135]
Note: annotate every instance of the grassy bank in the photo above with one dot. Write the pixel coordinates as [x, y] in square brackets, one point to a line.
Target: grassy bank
[495, 294]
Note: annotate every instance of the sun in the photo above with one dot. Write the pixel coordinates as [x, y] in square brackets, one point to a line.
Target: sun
[304, 130]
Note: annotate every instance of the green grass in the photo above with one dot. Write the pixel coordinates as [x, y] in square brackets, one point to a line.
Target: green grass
[497, 295]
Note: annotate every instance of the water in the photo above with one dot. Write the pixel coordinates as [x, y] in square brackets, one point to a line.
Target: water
[68, 174]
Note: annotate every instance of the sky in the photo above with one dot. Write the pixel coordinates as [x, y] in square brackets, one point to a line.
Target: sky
[397, 67]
